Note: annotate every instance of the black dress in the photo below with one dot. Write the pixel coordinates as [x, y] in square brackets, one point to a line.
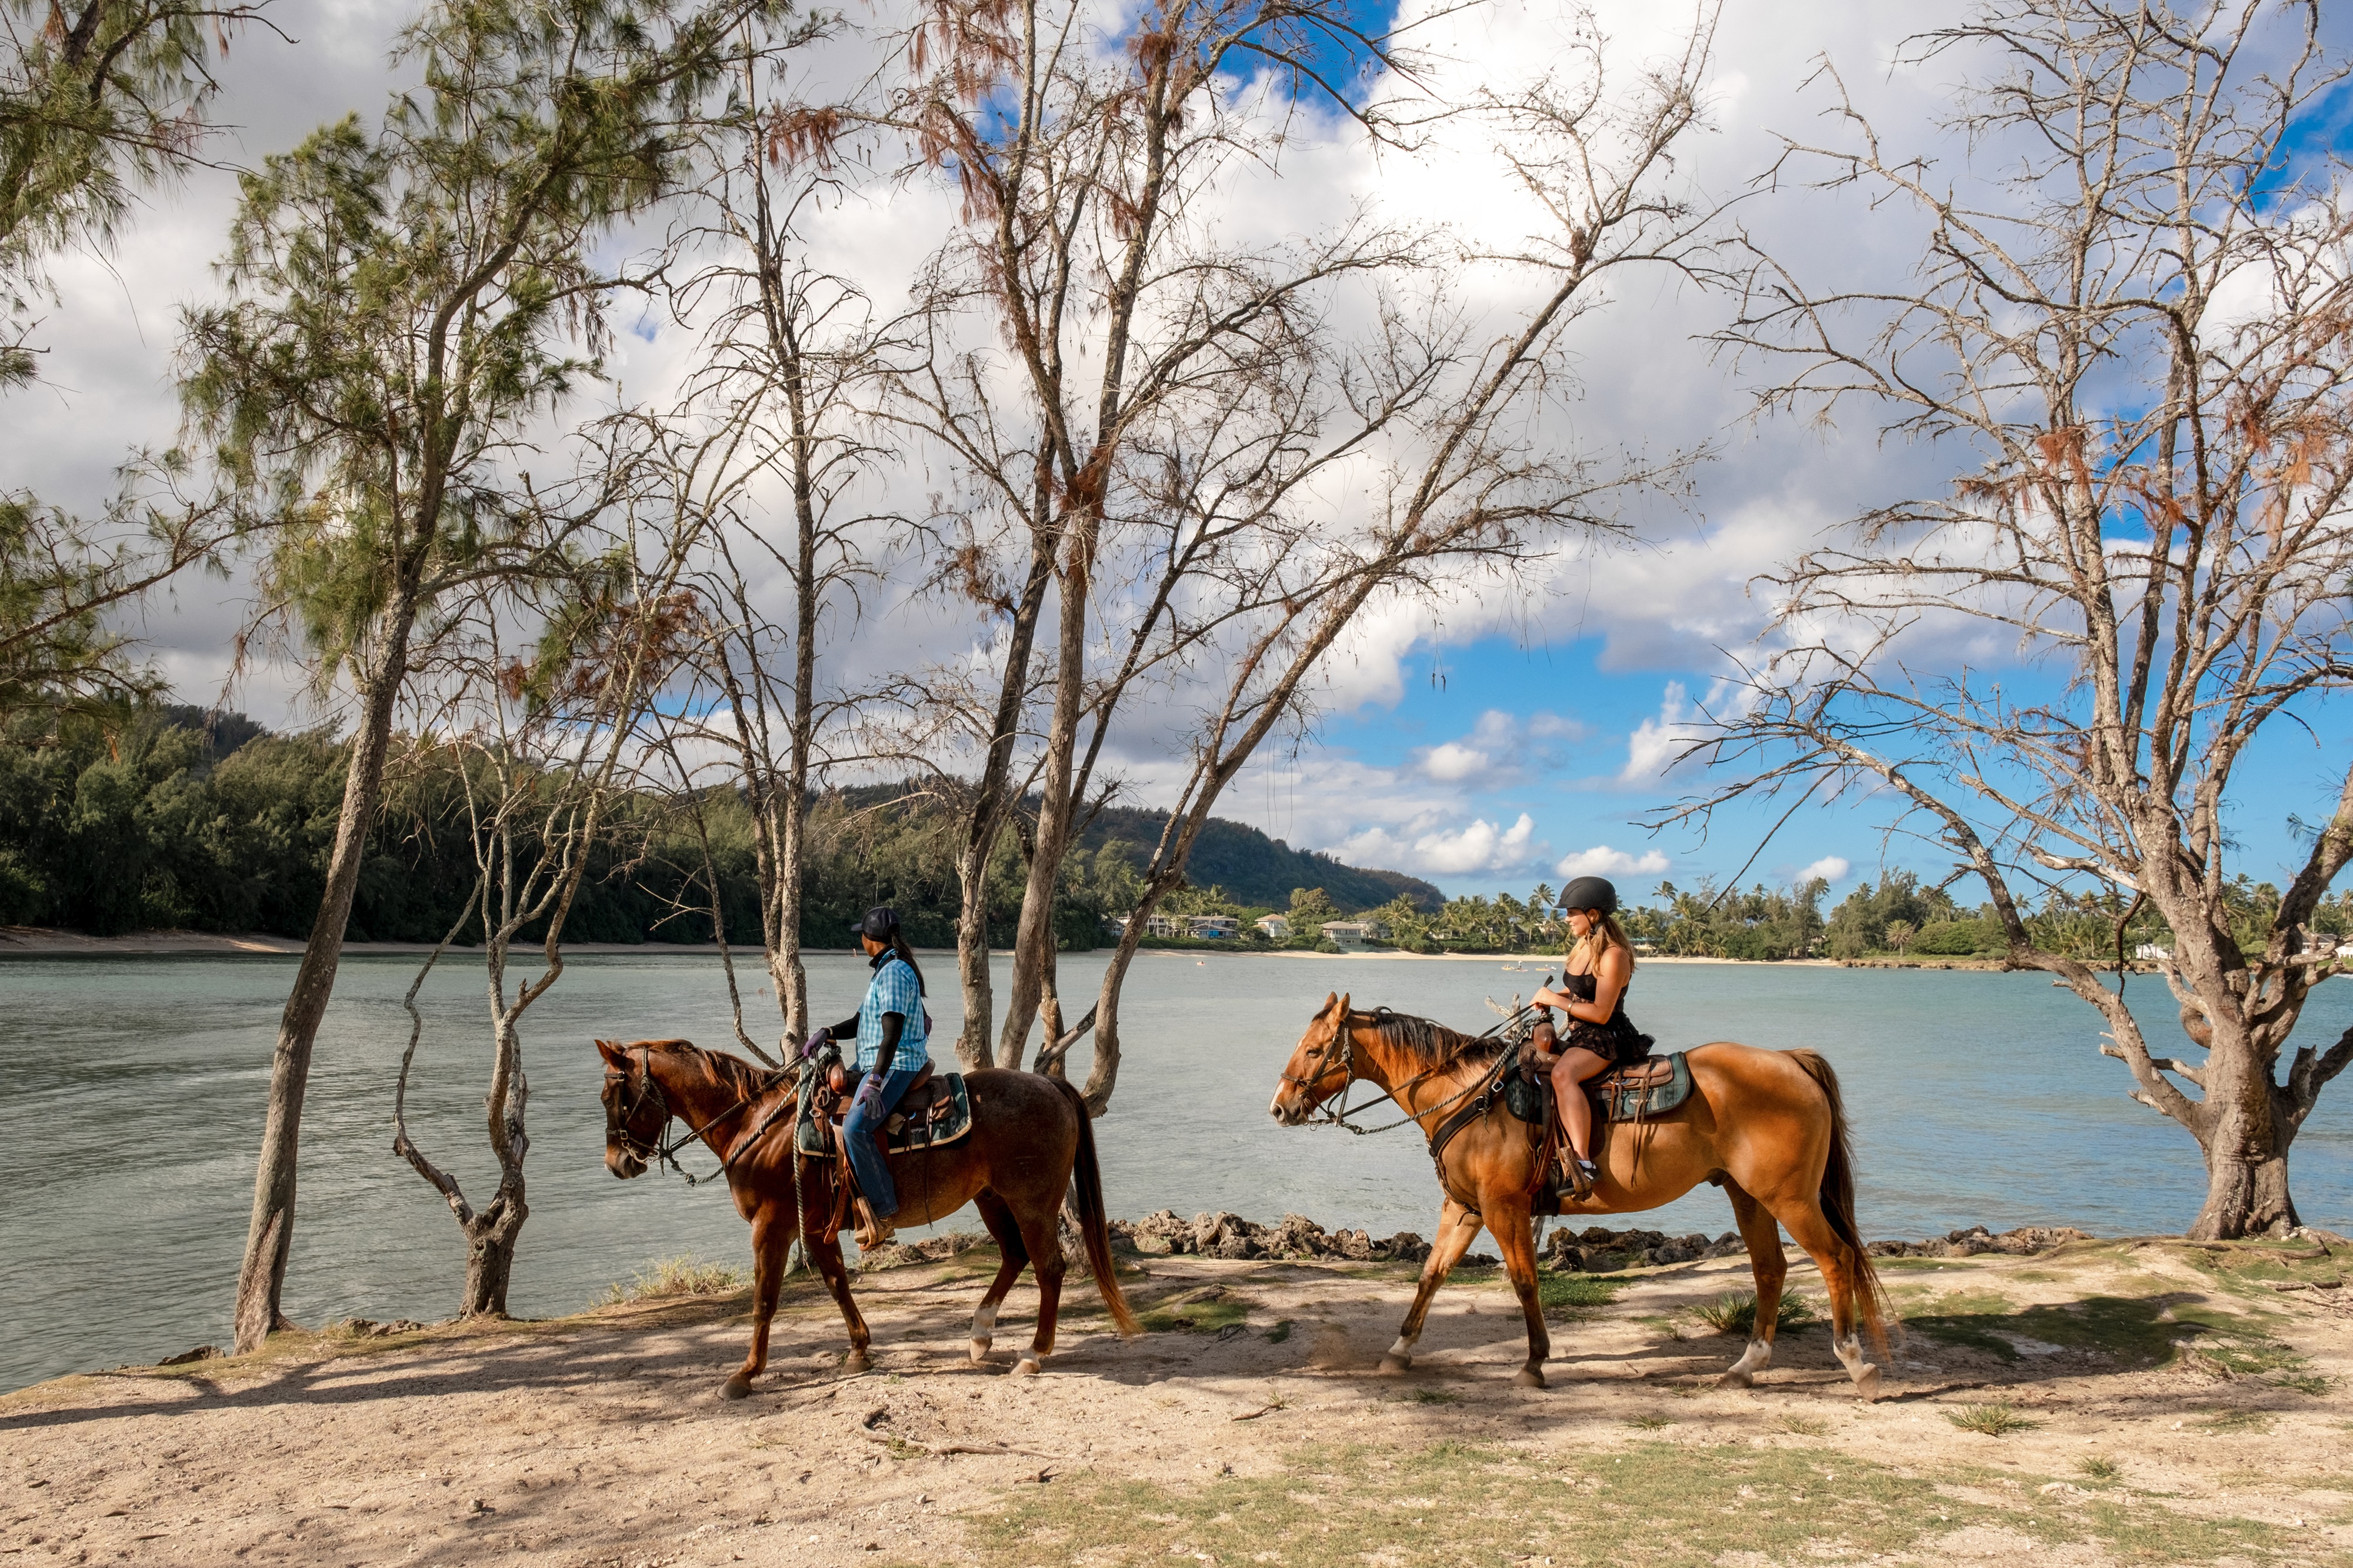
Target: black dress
[1617, 1041]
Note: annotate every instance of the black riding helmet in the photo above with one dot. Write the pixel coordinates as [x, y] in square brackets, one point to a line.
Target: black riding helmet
[880, 923]
[1589, 893]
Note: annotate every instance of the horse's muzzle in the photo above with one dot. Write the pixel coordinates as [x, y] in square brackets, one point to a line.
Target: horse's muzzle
[1287, 1115]
[623, 1164]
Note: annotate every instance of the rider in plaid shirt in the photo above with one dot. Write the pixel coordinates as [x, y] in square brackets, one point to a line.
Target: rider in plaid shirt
[892, 1033]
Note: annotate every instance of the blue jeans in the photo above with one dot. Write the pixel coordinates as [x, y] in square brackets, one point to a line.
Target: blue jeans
[862, 1130]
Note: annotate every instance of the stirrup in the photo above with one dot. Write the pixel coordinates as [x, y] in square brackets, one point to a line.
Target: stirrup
[872, 1232]
[1577, 1181]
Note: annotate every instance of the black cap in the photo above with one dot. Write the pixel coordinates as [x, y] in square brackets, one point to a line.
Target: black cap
[1587, 893]
[882, 923]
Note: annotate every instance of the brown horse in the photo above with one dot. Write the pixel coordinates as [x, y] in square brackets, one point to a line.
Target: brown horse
[1031, 1141]
[1767, 1126]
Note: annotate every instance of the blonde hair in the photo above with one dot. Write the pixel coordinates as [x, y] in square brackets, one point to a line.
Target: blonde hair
[1606, 934]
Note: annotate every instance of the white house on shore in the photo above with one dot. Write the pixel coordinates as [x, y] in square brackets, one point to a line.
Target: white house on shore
[2149, 952]
[1354, 933]
[1276, 927]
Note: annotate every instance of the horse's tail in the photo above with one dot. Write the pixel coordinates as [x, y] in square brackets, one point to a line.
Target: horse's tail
[1869, 1300]
[1095, 1226]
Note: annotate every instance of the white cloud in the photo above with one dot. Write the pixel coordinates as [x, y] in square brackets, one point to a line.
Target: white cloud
[1653, 748]
[1482, 845]
[1603, 861]
[1829, 868]
[1454, 762]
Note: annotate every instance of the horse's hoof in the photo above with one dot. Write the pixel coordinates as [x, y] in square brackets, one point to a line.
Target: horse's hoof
[1867, 1383]
[1026, 1367]
[736, 1387]
[979, 1351]
[1529, 1377]
[1736, 1380]
[1393, 1364]
[858, 1361]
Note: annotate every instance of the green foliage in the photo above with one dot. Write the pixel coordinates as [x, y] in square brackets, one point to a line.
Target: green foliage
[406, 299]
[95, 98]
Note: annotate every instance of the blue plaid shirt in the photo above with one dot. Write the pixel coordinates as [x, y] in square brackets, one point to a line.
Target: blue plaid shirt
[894, 989]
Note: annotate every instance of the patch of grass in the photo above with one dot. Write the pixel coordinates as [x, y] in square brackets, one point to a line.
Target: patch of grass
[1435, 1396]
[1203, 1311]
[1805, 1426]
[1279, 1332]
[2237, 1421]
[1575, 1295]
[1649, 1423]
[1737, 1313]
[676, 1276]
[1664, 1506]
[2097, 1468]
[1996, 1420]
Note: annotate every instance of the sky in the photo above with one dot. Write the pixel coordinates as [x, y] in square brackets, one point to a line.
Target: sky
[1519, 736]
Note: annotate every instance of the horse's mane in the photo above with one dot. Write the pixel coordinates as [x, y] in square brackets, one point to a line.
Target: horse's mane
[730, 1070]
[1430, 1041]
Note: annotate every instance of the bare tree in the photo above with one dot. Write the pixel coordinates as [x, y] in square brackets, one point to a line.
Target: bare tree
[1262, 583]
[542, 760]
[1076, 164]
[773, 413]
[2132, 316]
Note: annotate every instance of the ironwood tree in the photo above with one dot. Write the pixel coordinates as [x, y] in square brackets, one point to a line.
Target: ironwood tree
[2131, 329]
[405, 303]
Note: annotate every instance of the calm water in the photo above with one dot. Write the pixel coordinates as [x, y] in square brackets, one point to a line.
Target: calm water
[136, 1089]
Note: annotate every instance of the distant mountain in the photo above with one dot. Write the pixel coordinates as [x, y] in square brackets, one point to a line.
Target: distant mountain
[1255, 869]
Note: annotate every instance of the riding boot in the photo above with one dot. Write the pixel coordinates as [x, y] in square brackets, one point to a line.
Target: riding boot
[872, 1232]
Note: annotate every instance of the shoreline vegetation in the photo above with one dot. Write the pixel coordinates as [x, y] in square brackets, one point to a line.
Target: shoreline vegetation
[188, 825]
[50, 942]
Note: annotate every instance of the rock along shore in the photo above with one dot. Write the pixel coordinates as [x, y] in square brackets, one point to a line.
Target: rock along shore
[1594, 1249]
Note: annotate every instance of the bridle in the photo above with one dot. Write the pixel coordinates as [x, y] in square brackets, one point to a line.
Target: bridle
[644, 1091]
[1340, 1052]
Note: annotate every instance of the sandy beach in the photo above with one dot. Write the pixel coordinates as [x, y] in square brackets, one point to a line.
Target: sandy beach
[2102, 1404]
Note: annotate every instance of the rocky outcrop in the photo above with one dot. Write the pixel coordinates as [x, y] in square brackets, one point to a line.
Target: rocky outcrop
[1598, 1250]
[1228, 1235]
[2023, 1242]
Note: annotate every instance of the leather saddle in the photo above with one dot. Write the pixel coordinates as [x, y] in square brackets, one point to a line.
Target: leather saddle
[935, 1110]
[1637, 1091]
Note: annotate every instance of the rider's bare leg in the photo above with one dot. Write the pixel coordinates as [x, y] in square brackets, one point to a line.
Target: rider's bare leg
[1568, 1074]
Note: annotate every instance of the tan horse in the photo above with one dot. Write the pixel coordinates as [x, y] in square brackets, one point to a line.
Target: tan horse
[1031, 1142]
[1767, 1126]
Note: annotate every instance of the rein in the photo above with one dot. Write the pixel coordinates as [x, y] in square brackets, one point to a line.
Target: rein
[665, 1153]
[1340, 1052]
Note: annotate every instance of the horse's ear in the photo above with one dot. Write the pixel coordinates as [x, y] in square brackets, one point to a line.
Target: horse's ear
[1343, 1009]
[1331, 1000]
[612, 1052]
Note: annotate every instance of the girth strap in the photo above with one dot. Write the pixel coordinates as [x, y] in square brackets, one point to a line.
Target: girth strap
[1478, 1106]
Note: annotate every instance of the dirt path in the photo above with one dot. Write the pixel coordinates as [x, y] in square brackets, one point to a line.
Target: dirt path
[2178, 1408]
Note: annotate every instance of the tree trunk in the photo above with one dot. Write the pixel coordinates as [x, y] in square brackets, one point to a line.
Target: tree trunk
[490, 1239]
[261, 1280]
[2246, 1144]
[972, 954]
[1033, 944]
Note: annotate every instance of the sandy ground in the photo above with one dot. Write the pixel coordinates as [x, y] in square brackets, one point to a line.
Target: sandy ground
[598, 1439]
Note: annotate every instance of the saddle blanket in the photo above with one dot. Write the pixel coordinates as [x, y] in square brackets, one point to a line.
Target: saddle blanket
[1638, 1102]
[909, 1131]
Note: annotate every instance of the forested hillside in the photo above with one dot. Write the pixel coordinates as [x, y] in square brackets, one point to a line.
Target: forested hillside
[1255, 869]
[177, 820]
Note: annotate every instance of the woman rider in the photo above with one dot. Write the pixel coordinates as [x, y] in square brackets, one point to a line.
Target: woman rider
[892, 1033]
[1594, 976]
